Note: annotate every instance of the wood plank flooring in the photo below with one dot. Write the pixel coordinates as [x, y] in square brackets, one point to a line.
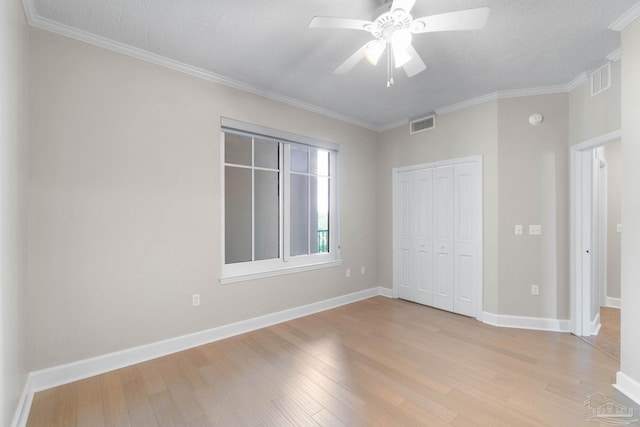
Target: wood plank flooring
[608, 339]
[378, 362]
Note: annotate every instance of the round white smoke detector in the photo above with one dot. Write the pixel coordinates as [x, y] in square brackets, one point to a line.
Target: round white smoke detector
[535, 119]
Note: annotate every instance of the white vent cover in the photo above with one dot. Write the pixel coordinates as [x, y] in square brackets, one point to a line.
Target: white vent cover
[420, 125]
[601, 79]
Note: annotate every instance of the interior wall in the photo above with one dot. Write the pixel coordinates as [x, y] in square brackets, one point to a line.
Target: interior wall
[533, 182]
[472, 131]
[592, 116]
[14, 135]
[125, 212]
[630, 288]
[612, 153]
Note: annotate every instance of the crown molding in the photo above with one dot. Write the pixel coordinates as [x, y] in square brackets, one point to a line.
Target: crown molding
[106, 43]
[55, 27]
[627, 18]
[616, 55]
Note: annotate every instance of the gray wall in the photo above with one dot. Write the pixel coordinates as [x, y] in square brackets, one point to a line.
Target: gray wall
[14, 89]
[125, 209]
[533, 183]
[630, 289]
[612, 154]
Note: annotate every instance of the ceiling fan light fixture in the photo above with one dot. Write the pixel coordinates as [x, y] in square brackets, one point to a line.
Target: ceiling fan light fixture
[401, 39]
[400, 57]
[374, 51]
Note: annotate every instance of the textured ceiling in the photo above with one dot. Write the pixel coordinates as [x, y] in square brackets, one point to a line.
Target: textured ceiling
[267, 44]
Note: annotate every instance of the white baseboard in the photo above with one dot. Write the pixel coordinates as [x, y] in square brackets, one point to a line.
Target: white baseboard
[614, 302]
[628, 386]
[385, 292]
[64, 374]
[522, 322]
[596, 325]
[24, 405]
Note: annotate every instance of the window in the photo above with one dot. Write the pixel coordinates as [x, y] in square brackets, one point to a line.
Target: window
[279, 193]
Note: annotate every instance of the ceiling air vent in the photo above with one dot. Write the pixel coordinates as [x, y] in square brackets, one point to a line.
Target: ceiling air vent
[422, 124]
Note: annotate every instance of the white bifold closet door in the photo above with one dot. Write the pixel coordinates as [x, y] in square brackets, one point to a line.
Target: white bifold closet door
[437, 236]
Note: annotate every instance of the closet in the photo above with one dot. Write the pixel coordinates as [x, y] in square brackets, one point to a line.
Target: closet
[438, 235]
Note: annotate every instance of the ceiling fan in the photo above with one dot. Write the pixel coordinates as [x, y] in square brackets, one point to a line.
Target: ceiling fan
[393, 29]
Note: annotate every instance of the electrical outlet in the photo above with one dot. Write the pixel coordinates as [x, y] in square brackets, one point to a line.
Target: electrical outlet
[195, 299]
[348, 272]
[535, 290]
[535, 230]
[518, 230]
[362, 270]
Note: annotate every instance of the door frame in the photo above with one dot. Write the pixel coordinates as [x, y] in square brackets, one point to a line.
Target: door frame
[479, 288]
[581, 227]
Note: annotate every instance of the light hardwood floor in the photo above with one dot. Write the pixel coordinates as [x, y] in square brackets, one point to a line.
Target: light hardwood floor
[378, 362]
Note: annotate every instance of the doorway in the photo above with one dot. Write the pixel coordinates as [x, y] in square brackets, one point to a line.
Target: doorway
[595, 238]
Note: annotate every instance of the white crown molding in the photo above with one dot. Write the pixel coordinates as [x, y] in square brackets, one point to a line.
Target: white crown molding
[522, 322]
[65, 30]
[627, 18]
[582, 78]
[628, 386]
[616, 55]
[106, 43]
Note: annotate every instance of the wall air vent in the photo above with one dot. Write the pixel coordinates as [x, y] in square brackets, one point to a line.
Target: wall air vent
[601, 79]
[422, 124]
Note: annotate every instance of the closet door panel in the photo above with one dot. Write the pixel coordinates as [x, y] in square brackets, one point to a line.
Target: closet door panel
[443, 237]
[423, 196]
[405, 230]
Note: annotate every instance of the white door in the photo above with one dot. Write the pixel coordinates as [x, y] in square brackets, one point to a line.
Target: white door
[443, 238]
[466, 217]
[438, 236]
[423, 208]
[405, 231]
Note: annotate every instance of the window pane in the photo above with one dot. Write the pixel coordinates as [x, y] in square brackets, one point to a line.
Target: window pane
[319, 230]
[267, 215]
[319, 162]
[266, 154]
[237, 149]
[237, 221]
[299, 158]
[299, 215]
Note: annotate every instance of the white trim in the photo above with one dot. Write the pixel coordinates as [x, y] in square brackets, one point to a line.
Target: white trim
[595, 325]
[278, 272]
[65, 30]
[522, 322]
[582, 78]
[580, 295]
[21, 416]
[616, 55]
[385, 292]
[627, 18]
[75, 371]
[628, 386]
[614, 302]
[55, 27]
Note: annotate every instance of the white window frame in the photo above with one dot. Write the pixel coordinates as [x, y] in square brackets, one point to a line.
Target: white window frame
[285, 264]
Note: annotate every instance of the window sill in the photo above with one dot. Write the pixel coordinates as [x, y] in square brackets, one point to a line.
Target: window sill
[224, 280]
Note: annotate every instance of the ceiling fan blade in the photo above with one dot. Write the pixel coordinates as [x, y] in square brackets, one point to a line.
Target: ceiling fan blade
[415, 65]
[405, 5]
[470, 19]
[346, 23]
[352, 61]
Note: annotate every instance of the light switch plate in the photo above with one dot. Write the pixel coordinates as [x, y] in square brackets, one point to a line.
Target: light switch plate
[535, 230]
[518, 230]
[619, 228]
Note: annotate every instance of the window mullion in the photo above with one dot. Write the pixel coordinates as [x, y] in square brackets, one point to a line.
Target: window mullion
[286, 201]
[253, 199]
